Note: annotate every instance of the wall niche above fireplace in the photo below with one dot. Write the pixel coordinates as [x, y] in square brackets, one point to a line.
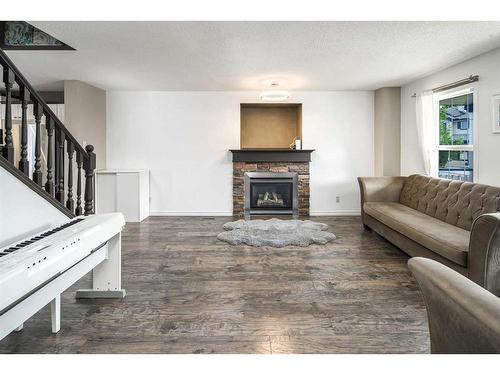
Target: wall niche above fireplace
[270, 125]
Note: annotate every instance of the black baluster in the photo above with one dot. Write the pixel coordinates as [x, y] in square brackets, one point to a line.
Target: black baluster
[24, 163]
[8, 147]
[89, 167]
[60, 137]
[56, 160]
[79, 210]
[49, 184]
[70, 203]
[37, 173]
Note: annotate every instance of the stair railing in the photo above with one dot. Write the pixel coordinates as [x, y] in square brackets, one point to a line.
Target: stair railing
[59, 142]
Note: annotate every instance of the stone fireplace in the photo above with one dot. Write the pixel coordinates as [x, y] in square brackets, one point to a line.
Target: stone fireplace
[271, 182]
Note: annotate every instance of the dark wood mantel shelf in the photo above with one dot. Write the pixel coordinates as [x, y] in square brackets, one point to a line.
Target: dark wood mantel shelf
[271, 155]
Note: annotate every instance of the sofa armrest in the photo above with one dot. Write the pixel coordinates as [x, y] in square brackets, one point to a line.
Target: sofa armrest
[379, 189]
[484, 252]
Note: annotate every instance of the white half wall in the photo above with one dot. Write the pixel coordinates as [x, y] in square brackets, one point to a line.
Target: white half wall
[23, 212]
[487, 143]
[183, 138]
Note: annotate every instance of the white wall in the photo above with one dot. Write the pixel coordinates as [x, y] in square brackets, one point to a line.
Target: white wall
[387, 131]
[487, 144]
[183, 138]
[85, 116]
[22, 212]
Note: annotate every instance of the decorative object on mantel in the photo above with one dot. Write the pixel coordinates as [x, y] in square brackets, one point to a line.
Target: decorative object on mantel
[276, 233]
[495, 112]
[296, 144]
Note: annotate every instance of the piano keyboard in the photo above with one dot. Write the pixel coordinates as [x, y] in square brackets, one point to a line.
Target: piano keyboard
[38, 237]
[31, 262]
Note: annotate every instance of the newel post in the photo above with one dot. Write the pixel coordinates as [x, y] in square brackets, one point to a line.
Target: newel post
[89, 165]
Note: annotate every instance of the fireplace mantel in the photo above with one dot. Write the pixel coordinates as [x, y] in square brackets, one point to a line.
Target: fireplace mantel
[271, 155]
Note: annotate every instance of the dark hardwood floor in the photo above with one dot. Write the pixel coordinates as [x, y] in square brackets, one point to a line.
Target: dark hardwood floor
[189, 293]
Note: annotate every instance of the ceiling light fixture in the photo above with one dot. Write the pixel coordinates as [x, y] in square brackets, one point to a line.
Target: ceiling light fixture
[274, 96]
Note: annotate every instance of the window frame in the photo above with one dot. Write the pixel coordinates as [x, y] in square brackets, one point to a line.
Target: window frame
[469, 89]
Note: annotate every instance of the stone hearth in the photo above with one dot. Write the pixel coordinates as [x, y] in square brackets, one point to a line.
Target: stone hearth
[241, 167]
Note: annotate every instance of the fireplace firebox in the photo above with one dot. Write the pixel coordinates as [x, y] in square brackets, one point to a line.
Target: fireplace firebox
[271, 193]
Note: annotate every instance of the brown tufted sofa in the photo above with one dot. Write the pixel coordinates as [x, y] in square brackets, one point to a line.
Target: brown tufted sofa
[453, 222]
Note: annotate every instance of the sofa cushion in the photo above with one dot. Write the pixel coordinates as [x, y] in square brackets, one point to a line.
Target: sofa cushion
[454, 202]
[447, 240]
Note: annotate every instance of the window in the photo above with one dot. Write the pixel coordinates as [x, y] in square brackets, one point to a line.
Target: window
[21, 35]
[456, 136]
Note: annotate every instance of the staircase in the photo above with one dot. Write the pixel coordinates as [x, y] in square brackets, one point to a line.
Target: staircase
[62, 151]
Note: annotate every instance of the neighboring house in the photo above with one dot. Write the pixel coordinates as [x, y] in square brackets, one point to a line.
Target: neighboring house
[459, 121]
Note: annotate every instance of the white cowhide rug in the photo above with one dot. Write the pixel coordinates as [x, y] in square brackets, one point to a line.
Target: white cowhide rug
[275, 233]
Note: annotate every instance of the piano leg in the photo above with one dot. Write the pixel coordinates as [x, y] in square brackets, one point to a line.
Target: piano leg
[20, 328]
[55, 311]
[106, 277]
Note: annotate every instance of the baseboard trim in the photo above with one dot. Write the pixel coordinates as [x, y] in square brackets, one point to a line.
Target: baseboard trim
[190, 213]
[225, 213]
[336, 213]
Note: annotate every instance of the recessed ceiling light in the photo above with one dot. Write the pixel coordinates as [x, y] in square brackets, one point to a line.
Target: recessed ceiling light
[274, 96]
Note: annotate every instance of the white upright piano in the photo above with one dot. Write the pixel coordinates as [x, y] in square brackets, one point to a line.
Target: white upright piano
[36, 270]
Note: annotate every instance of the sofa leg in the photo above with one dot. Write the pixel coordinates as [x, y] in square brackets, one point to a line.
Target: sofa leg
[366, 227]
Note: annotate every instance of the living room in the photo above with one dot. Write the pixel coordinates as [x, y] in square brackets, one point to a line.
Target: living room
[250, 186]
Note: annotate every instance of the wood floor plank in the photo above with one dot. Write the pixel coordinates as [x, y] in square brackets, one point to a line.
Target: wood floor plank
[187, 292]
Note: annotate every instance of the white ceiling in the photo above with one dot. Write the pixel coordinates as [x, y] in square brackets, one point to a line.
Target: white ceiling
[241, 55]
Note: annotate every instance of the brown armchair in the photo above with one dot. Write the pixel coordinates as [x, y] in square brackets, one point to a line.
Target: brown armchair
[463, 317]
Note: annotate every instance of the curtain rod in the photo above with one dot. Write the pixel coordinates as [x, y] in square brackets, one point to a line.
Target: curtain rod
[470, 79]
